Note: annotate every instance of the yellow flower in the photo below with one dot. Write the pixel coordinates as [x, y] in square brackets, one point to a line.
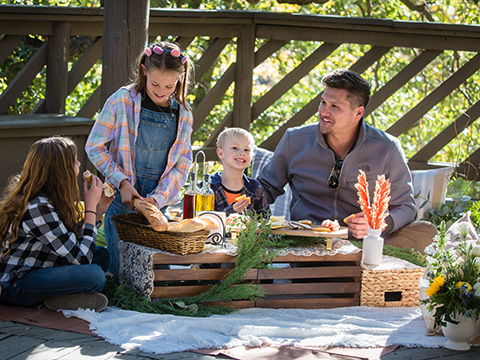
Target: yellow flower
[467, 285]
[436, 284]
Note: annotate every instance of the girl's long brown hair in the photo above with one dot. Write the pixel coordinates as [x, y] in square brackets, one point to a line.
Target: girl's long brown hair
[50, 168]
[165, 61]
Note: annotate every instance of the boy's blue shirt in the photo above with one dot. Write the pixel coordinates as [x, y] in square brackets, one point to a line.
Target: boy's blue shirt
[251, 188]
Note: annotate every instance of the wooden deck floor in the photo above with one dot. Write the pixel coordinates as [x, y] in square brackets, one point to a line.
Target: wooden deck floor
[20, 342]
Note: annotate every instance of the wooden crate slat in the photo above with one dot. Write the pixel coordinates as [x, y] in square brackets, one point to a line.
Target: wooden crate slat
[311, 288]
[309, 272]
[178, 291]
[321, 303]
[356, 257]
[198, 274]
[193, 259]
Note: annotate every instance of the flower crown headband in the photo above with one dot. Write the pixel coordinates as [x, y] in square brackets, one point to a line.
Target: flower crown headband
[152, 48]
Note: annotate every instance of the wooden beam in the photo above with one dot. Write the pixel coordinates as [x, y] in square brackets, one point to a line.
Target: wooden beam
[184, 41]
[296, 120]
[410, 118]
[267, 49]
[209, 56]
[226, 122]
[84, 64]
[369, 58]
[242, 97]
[213, 97]
[292, 78]
[125, 29]
[57, 68]
[7, 45]
[401, 79]
[92, 105]
[377, 37]
[448, 134]
[230, 30]
[23, 79]
[78, 71]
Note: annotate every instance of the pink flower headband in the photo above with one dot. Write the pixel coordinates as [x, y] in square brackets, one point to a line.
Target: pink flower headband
[158, 50]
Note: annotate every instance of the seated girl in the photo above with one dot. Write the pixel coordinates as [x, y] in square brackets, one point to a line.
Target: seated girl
[46, 256]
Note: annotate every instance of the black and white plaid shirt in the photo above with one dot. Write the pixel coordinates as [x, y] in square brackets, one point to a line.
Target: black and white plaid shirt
[44, 241]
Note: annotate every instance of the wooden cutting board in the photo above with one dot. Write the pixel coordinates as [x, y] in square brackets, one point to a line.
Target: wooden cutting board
[342, 233]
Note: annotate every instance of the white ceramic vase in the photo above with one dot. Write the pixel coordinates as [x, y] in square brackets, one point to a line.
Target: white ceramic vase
[372, 247]
[459, 334]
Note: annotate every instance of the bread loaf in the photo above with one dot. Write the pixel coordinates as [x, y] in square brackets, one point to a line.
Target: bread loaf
[154, 216]
[108, 190]
[87, 175]
[209, 223]
[187, 225]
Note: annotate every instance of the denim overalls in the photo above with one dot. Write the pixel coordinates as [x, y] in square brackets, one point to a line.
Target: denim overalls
[156, 134]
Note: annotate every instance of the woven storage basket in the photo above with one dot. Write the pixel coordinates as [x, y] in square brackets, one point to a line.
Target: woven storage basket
[136, 229]
[391, 287]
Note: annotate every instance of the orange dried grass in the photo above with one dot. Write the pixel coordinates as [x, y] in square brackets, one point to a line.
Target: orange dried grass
[377, 212]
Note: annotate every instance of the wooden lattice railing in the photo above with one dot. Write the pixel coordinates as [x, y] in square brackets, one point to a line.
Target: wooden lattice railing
[254, 38]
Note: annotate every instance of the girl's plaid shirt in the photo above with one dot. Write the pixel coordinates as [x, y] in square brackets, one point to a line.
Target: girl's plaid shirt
[117, 127]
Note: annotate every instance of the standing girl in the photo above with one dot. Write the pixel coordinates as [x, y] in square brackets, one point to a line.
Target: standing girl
[45, 256]
[141, 139]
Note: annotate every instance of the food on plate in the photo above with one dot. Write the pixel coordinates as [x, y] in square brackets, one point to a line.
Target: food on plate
[299, 225]
[153, 214]
[321, 229]
[348, 217]
[87, 175]
[333, 225]
[277, 222]
[243, 197]
[108, 190]
[306, 222]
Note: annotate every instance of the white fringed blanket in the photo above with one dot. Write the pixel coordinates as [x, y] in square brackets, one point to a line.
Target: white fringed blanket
[350, 327]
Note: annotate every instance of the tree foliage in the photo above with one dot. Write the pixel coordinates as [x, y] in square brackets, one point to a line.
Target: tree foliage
[270, 72]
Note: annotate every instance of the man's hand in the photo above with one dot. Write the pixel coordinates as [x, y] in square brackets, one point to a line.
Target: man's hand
[128, 193]
[357, 226]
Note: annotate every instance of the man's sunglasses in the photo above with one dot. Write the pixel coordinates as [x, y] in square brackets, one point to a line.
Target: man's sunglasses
[334, 178]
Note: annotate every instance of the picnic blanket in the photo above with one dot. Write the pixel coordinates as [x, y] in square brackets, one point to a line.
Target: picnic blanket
[358, 326]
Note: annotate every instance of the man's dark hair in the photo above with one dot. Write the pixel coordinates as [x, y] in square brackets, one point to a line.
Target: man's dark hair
[358, 88]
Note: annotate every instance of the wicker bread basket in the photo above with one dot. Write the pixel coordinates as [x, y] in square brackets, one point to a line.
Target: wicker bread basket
[136, 229]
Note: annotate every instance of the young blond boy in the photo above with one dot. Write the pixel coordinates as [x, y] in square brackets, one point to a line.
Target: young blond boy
[235, 151]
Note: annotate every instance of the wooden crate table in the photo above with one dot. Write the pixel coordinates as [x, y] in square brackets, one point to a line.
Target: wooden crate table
[321, 278]
[393, 283]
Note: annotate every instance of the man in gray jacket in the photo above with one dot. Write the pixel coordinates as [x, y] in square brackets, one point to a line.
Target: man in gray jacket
[321, 163]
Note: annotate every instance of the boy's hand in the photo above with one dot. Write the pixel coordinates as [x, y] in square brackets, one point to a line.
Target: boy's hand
[241, 205]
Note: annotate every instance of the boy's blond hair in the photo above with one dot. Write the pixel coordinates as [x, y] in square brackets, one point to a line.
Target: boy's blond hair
[230, 132]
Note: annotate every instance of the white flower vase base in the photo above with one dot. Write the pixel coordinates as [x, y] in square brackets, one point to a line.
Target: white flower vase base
[459, 334]
[372, 247]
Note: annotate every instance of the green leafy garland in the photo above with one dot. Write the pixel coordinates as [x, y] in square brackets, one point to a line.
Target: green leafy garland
[252, 252]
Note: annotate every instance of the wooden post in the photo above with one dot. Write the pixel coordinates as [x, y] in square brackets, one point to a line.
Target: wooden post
[57, 68]
[125, 32]
[242, 100]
